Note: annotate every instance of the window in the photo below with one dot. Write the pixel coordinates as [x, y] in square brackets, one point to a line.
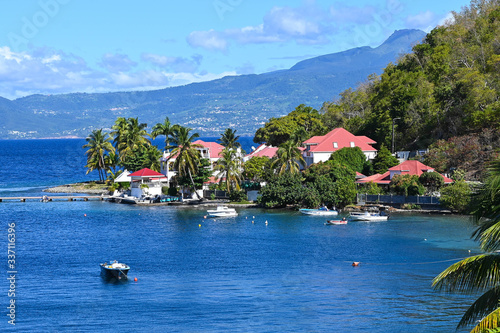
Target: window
[353, 144]
[335, 145]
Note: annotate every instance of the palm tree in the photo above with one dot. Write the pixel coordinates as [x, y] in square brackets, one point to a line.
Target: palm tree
[130, 136]
[99, 145]
[187, 157]
[229, 139]
[166, 129]
[229, 167]
[481, 272]
[289, 158]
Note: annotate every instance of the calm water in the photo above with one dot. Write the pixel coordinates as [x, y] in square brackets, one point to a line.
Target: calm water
[292, 275]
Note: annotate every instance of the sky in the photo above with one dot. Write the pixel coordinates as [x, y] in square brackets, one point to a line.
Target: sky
[64, 46]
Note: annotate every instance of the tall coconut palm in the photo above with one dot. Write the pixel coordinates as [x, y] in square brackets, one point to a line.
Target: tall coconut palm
[130, 136]
[480, 272]
[229, 167]
[229, 139]
[187, 157]
[166, 129]
[289, 158]
[99, 145]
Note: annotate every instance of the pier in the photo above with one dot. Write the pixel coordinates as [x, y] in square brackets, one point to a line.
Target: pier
[47, 198]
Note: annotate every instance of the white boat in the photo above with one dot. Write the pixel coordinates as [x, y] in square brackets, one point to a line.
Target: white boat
[323, 211]
[336, 222]
[222, 211]
[369, 217]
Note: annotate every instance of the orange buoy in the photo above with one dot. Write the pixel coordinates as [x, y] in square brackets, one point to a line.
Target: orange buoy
[135, 279]
[356, 263]
[84, 214]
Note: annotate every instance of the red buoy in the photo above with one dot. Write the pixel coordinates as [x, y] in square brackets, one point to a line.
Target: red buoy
[135, 279]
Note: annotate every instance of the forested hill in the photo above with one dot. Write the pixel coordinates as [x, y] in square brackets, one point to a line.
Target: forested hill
[241, 102]
[447, 88]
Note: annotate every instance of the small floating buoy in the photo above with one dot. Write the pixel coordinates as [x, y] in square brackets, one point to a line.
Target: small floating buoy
[253, 217]
[135, 279]
[84, 214]
[356, 263]
[253, 222]
[205, 217]
[469, 251]
[425, 239]
[199, 225]
[266, 222]
[246, 217]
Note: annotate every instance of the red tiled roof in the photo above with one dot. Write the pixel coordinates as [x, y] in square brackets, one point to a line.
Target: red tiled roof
[406, 168]
[263, 150]
[214, 148]
[412, 168]
[376, 178]
[146, 173]
[342, 137]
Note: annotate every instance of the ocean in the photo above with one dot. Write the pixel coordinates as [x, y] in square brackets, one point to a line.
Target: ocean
[195, 274]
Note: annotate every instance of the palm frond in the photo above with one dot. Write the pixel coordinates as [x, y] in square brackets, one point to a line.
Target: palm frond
[490, 238]
[483, 306]
[470, 274]
[489, 323]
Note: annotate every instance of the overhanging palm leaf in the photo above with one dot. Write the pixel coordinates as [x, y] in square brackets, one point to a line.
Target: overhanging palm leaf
[489, 324]
[485, 305]
[470, 274]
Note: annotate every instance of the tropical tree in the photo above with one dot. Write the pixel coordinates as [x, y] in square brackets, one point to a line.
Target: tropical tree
[99, 145]
[187, 157]
[229, 139]
[166, 129]
[229, 167]
[480, 272]
[384, 160]
[289, 158]
[130, 137]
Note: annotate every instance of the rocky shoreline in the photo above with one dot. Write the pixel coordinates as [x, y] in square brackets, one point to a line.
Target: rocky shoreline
[76, 188]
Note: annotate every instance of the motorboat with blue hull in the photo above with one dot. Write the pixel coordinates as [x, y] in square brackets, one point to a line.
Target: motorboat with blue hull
[322, 211]
[114, 270]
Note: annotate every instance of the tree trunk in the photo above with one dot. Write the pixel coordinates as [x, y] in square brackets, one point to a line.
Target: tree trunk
[192, 182]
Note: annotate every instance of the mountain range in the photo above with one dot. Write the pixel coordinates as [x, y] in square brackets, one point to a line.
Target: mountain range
[242, 102]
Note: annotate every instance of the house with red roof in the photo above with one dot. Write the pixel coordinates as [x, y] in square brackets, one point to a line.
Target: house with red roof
[320, 148]
[408, 167]
[262, 150]
[146, 182]
[209, 150]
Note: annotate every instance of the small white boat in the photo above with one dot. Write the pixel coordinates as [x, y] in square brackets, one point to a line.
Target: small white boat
[368, 217]
[222, 211]
[114, 270]
[323, 211]
[336, 222]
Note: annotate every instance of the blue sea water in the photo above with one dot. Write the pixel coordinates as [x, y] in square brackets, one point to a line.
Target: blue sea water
[238, 274]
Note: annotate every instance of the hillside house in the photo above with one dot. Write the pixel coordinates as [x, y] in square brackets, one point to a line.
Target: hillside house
[320, 148]
[409, 167]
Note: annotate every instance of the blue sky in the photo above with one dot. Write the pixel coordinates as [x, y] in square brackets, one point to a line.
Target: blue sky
[62, 46]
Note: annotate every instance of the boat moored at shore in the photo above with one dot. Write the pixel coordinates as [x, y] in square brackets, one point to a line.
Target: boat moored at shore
[323, 211]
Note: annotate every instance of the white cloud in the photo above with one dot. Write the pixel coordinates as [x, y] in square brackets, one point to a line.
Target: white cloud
[46, 71]
[448, 19]
[210, 40]
[177, 64]
[307, 24]
[424, 20]
[117, 62]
